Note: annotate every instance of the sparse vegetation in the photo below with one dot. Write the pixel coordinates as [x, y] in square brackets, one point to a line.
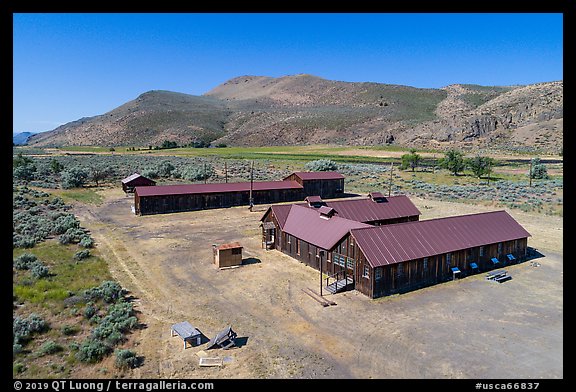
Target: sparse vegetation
[480, 166]
[49, 282]
[453, 161]
[126, 359]
[321, 165]
[88, 310]
[411, 160]
[539, 170]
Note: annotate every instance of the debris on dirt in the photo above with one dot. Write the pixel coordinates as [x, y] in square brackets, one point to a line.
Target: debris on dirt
[205, 361]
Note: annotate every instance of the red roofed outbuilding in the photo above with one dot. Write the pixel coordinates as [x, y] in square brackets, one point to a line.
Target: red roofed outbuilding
[134, 180]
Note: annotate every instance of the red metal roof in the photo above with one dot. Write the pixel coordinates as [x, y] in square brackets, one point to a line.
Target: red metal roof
[131, 177]
[231, 245]
[366, 210]
[306, 224]
[360, 210]
[187, 189]
[313, 199]
[319, 175]
[383, 245]
[281, 212]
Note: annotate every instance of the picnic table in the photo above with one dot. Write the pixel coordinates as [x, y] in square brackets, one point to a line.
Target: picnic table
[498, 276]
[187, 332]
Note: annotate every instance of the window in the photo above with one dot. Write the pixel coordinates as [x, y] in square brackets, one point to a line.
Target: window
[425, 264]
[339, 259]
[237, 251]
[499, 247]
[481, 251]
[378, 273]
[448, 258]
[366, 272]
[400, 270]
[297, 246]
[350, 263]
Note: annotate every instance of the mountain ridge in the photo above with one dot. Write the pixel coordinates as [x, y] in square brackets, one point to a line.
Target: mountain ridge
[306, 109]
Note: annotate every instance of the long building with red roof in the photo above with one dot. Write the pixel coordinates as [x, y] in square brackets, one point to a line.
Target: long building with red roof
[378, 246]
[190, 197]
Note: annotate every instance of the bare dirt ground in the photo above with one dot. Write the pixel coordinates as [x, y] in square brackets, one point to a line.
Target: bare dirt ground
[469, 328]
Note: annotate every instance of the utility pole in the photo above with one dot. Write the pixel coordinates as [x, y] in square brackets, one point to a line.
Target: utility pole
[321, 253]
[390, 184]
[226, 171]
[251, 185]
[204, 173]
[530, 174]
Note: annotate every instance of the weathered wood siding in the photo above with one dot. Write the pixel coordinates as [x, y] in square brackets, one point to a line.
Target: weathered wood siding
[403, 219]
[326, 189]
[228, 257]
[146, 205]
[413, 274]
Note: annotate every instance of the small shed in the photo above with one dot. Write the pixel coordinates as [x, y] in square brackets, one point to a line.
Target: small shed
[227, 255]
[134, 180]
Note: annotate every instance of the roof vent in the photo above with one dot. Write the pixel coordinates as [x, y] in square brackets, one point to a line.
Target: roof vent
[377, 197]
[326, 212]
[314, 201]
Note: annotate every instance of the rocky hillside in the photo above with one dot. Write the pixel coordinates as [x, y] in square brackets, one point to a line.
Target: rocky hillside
[151, 118]
[305, 109]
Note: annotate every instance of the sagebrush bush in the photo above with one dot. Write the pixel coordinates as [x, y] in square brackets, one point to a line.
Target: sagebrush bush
[119, 319]
[86, 242]
[49, 347]
[196, 173]
[39, 270]
[69, 330]
[71, 236]
[82, 254]
[126, 359]
[109, 291]
[24, 328]
[92, 350]
[321, 165]
[90, 310]
[24, 261]
[74, 177]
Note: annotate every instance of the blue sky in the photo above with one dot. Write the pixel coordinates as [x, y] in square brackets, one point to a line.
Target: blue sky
[68, 66]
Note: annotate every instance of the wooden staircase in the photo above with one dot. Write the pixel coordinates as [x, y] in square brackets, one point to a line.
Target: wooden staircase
[340, 285]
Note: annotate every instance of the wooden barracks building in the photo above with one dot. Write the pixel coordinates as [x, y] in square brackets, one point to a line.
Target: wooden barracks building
[378, 246]
[190, 197]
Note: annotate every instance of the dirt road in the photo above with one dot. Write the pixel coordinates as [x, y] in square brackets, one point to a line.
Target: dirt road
[469, 328]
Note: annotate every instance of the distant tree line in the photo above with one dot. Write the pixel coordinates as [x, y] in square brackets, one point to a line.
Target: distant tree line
[480, 166]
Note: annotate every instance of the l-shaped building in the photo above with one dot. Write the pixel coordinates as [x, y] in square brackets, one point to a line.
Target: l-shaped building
[378, 246]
